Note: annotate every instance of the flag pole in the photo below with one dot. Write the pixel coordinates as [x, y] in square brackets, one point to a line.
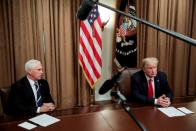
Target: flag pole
[92, 96]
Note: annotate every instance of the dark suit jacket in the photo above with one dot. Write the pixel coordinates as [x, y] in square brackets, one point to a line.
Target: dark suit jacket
[139, 87]
[22, 100]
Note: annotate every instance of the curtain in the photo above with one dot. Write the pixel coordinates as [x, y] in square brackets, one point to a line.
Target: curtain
[192, 68]
[176, 57]
[46, 30]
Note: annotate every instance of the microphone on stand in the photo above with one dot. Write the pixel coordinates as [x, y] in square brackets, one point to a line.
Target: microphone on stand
[109, 84]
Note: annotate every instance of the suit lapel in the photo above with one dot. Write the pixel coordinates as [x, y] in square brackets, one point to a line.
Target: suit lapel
[28, 89]
[145, 83]
[146, 87]
[157, 85]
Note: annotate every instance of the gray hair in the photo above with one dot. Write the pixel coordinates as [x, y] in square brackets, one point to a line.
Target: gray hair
[30, 64]
[149, 60]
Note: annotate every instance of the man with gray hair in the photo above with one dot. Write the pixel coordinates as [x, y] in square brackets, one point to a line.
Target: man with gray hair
[31, 94]
[150, 86]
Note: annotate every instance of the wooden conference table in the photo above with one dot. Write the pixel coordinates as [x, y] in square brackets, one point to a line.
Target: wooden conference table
[117, 120]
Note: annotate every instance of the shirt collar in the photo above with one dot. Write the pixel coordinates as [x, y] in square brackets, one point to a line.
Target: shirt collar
[148, 78]
[31, 81]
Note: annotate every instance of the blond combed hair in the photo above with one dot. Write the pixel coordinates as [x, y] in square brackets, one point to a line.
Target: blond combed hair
[150, 60]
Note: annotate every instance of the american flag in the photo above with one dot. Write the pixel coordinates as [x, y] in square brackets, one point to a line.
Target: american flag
[90, 49]
[123, 29]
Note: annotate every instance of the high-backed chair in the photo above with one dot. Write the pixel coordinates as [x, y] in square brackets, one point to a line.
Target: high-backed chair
[124, 81]
[5, 94]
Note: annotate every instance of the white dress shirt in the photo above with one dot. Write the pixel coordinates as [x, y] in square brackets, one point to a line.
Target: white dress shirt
[153, 87]
[32, 83]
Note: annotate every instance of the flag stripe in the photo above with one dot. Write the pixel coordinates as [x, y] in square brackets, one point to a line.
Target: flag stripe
[90, 49]
[89, 78]
[89, 58]
[98, 31]
[85, 31]
[87, 66]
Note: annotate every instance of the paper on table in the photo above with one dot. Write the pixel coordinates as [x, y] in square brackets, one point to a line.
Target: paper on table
[44, 120]
[27, 125]
[185, 110]
[171, 111]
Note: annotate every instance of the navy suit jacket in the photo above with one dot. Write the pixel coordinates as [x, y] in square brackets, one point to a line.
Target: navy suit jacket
[139, 87]
[22, 100]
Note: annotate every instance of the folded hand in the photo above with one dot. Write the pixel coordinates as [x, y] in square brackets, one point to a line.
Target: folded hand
[163, 101]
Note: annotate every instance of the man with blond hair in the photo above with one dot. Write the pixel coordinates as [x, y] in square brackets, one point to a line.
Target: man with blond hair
[150, 86]
[31, 94]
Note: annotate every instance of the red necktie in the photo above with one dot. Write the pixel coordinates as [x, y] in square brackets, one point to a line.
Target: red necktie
[150, 89]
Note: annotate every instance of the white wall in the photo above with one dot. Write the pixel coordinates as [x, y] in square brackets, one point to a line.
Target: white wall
[107, 41]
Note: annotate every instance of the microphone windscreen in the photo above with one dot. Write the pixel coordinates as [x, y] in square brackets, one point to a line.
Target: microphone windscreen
[107, 85]
[84, 9]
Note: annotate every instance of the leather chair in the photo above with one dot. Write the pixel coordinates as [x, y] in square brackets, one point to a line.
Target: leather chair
[5, 94]
[124, 81]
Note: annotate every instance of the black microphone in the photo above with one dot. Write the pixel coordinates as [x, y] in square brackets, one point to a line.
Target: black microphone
[108, 84]
[85, 9]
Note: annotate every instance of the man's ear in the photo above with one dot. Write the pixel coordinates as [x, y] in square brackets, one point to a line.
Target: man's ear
[29, 72]
[143, 68]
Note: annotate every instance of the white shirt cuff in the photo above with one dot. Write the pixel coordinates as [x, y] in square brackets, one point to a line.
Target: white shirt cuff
[38, 110]
[155, 101]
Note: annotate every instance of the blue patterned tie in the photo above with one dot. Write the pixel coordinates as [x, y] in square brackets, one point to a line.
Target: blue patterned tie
[39, 99]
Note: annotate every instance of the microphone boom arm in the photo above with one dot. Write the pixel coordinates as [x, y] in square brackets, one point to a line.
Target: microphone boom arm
[172, 33]
[127, 108]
